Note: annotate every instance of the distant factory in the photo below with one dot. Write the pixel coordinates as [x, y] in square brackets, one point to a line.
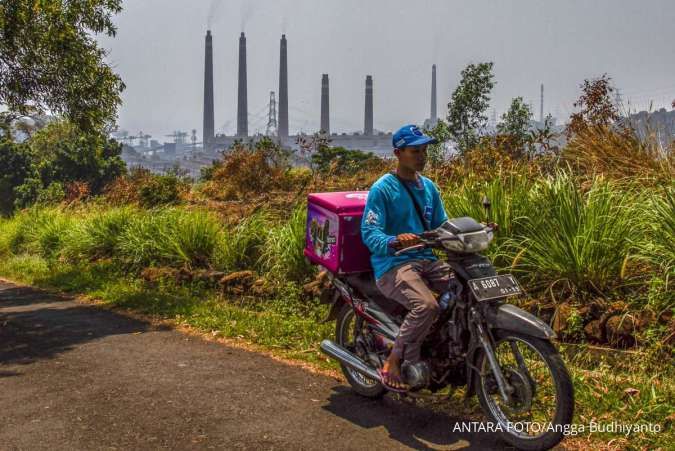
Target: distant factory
[190, 153]
[367, 140]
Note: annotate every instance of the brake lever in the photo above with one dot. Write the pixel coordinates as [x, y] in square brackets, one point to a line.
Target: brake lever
[410, 248]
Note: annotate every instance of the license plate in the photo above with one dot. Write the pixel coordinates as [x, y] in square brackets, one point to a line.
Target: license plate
[494, 287]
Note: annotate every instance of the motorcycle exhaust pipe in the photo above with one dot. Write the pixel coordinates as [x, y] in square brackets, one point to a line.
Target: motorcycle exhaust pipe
[348, 359]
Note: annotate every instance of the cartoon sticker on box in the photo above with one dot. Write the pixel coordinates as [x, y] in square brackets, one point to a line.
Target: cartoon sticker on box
[321, 238]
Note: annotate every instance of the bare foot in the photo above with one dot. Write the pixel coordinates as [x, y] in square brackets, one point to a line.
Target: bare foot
[391, 373]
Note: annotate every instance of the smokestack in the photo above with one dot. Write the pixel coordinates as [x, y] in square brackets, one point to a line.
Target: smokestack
[283, 90]
[242, 101]
[325, 118]
[541, 105]
[208, 92]
[368, 121]
[433, 115]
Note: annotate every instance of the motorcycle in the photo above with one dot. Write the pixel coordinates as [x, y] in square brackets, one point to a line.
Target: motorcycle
[501, 353]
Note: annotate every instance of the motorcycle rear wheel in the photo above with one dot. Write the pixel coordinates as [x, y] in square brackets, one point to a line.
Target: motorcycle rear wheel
[347, 328]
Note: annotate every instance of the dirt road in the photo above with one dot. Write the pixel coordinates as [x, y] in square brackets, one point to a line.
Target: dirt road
[74, 376]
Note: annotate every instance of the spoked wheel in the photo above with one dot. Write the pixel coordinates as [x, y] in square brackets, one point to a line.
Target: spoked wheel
[349, 330]
[542, 397]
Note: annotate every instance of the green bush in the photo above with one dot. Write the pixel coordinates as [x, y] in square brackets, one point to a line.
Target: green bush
[282, 256]
[241, 247]
[340, 160]
[171, 237]
[583, 238]
[98, 234]
[509, 198]
[160, 190]
[40, 231]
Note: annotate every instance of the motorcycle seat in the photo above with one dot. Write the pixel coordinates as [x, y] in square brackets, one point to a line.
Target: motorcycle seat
[364, 283]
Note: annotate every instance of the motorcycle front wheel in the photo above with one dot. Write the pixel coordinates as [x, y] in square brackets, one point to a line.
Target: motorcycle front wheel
[542, 402]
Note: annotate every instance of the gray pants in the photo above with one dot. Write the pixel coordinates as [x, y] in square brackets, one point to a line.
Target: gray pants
[410, 285]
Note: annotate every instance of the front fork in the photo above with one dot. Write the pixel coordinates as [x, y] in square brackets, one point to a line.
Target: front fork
[487, 343]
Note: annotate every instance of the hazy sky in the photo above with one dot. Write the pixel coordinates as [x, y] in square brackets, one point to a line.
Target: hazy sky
[159, 53]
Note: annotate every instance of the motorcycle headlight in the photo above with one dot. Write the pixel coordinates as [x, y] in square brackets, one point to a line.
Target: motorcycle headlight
[475, 242]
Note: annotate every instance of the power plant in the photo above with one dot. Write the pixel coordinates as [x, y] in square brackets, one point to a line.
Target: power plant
[367, 140]
[162, 156]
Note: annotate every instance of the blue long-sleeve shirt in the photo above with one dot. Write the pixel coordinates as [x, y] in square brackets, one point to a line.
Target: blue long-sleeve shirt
[389, 212]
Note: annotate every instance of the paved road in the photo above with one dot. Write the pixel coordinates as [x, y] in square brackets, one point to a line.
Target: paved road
[76, 377]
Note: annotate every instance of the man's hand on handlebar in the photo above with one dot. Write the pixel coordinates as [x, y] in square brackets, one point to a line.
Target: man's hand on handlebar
[406, 240]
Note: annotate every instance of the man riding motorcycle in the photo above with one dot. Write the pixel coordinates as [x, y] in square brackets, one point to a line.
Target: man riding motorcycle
[402, 205]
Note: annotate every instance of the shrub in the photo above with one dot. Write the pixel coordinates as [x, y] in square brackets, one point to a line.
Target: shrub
[583, 238]
[242, 246]
[15, 167]
[171, 237]
[255, 168]
[338, 160]
[143, 188]
[98, 235]
[160, 190]
[40, 231]
[282, 255]
[619, 155]
[509, 199]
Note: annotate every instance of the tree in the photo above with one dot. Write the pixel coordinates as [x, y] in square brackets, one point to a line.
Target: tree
[16, 167]
[596, 106]
[340, 160]
[544, 138]
[62, 153]
[436, 152]
[49, 60]
[514, 125]
[469, 101]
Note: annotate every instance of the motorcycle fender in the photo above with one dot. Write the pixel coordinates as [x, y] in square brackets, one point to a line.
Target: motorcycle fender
[510, 317]
[337, 304]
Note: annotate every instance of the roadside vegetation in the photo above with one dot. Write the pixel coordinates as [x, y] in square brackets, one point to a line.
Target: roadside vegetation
[587, 224]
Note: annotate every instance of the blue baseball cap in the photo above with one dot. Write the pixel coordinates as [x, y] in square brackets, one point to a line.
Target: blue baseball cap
[410, 135]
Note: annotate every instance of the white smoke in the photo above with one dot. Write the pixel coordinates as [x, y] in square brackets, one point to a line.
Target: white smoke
[246, 10]
[284, 23]
[214, 8]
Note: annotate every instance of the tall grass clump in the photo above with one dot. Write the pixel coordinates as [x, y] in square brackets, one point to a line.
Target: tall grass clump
[9, 229]
[661, 240]
[658, 248]
[620, 155]
[242, 245]
[582, 238]
[509, 199]
[171, 237]
[40, 230]
[282, 256]
[98, 234]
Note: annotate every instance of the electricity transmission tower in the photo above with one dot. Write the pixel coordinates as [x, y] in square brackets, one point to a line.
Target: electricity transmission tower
[272, 128]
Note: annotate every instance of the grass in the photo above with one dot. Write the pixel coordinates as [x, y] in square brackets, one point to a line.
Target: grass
[170, 237]
[630, 388]
[282, 255]
[243, 245]
[582, 238]
[602, 238]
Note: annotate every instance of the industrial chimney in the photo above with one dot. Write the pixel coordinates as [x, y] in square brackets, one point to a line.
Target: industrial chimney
[368, 118]
[208, 92]
[541, 104]
[433, 116]
[242, 103]
[325, 118]
[283, 90]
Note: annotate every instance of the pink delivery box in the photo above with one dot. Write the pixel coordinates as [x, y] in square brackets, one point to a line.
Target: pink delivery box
[333, 237]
